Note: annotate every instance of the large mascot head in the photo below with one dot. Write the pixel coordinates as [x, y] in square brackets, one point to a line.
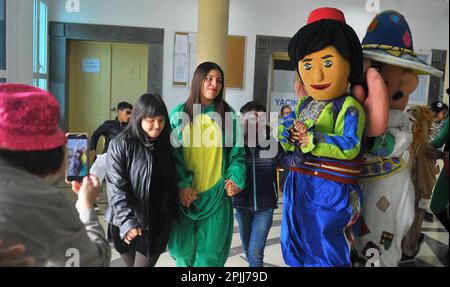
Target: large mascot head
[388, 46]
[327, 54]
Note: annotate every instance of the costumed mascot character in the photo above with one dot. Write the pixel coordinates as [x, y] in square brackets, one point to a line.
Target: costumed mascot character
[388, 193]
[322, 140]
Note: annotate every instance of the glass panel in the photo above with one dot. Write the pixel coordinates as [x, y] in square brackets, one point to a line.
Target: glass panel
[2, 80]
[35, 31]
[42, 83]
[2, 35]
[43, 38]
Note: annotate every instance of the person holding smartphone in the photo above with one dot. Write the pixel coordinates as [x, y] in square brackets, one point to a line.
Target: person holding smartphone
[141, 185]
[31, 213]
[77, 159]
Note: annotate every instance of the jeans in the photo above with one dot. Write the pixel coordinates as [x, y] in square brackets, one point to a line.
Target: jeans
[254, 228]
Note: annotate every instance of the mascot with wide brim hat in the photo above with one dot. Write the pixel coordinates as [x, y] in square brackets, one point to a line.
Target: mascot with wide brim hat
[388, 192]
[389, 40]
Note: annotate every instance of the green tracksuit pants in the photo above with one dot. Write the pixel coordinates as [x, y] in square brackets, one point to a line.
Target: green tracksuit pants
[205, 242]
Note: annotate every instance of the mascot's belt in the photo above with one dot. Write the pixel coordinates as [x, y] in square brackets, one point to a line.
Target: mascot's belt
[378, 169]
[331, 170]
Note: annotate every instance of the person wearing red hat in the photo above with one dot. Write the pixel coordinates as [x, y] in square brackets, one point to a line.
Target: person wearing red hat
[323, 140]
[32, 213]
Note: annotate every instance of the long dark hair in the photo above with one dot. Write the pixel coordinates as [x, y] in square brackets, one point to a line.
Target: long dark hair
[148, 105]
[163, 164]
[323, 33]
[221, 107]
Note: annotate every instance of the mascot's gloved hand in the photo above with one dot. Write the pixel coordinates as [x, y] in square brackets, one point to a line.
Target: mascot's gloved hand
[424, 204]
[376, 102]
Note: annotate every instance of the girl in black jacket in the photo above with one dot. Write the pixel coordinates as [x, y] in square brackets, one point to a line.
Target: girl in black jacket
[141, 185]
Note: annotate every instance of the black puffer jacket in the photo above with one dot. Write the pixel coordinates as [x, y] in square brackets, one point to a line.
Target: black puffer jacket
[142, 190]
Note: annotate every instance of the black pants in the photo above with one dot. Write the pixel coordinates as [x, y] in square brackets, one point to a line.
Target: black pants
[137, 259]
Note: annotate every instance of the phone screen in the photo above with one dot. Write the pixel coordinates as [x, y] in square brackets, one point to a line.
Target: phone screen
[77, 157]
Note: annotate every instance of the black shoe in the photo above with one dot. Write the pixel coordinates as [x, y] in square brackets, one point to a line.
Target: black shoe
[406, 258]
[428, 217]
[419, 244]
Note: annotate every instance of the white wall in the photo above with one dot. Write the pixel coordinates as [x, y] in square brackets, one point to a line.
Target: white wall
[429, 22]
[19, 41]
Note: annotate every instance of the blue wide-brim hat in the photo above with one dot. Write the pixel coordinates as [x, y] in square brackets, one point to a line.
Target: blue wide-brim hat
[389, 40]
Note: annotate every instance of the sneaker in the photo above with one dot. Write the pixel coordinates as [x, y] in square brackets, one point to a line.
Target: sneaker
[428, 217]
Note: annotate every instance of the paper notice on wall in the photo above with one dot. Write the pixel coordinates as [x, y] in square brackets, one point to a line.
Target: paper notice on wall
[180, 69]
[181, 59]
[192, 54]
[90, 65]
[181, 44]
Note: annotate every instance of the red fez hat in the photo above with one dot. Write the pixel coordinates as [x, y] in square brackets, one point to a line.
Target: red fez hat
[326, 13]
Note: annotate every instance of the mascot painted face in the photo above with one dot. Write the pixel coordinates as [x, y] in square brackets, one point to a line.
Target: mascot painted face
[327, 55]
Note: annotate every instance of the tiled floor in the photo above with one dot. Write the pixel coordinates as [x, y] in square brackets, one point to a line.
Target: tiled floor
[432, 252]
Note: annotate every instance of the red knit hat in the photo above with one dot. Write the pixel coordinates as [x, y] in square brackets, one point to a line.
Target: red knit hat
[29, 119]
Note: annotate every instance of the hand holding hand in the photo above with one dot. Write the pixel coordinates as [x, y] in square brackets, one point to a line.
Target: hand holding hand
[231, 188]
[299, 132]
[133, 233]
[187, 196]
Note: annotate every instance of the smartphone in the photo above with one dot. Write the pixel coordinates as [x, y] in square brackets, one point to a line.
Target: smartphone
[77, 157]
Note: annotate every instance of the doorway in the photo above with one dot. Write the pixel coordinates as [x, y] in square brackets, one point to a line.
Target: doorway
[102, 74]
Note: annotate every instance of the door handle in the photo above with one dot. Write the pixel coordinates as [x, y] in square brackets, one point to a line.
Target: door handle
[113, 109]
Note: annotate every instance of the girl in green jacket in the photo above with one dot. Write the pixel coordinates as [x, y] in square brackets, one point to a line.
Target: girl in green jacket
[210, 164]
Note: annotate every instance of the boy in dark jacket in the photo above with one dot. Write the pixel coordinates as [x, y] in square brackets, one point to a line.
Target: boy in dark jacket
[256, 203]
[110, 129]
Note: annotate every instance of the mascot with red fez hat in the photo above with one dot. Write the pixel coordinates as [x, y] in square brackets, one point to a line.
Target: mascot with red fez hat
[389, 199]
[322, 142]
